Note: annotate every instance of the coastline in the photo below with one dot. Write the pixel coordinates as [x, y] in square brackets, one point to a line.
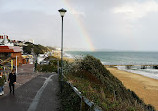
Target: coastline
[146, 88]
[57, 55]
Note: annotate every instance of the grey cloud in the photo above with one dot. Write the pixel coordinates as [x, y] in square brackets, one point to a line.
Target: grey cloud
[107, 30]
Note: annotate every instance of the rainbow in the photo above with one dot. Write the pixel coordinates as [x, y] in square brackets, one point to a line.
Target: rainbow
[81, 26]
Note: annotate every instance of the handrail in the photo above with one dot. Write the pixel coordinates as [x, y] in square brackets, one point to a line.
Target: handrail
[92, 106]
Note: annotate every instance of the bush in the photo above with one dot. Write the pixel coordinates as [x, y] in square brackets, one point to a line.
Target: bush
[46, 68]
[109, 91]
[37, 49]
[51, 67]
[70, 101]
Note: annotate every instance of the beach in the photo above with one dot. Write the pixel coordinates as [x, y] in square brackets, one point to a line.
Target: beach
[146, 88]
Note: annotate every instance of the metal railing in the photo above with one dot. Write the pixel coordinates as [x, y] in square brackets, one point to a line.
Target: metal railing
[86, 104]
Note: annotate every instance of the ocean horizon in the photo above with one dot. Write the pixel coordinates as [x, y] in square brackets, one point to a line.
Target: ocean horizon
[123, 58]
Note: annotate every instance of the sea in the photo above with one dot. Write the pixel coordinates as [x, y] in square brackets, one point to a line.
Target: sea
[121, 58]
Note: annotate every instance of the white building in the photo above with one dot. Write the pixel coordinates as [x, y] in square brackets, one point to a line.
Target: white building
[4, 41]
[41, 57]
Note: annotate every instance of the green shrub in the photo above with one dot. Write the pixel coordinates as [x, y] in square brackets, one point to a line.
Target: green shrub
[51, 67]
[95, 82]
[70, 101]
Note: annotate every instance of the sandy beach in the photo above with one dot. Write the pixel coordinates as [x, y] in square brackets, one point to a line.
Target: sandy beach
[57, 54]
[146, 88]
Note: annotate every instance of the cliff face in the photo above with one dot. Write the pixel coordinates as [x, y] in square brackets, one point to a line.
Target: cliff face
[95, 82]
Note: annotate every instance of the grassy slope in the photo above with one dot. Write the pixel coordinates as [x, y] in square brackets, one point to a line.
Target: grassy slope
[97, 84]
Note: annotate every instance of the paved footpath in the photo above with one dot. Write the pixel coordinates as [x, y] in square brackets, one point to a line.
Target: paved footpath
[38, 94]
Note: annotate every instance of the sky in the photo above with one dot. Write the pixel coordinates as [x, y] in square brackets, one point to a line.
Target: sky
[88, 24]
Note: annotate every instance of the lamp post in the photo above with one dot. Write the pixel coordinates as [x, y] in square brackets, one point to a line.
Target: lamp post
[62, 13]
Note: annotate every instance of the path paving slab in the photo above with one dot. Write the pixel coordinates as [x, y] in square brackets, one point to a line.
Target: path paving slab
[27, 94]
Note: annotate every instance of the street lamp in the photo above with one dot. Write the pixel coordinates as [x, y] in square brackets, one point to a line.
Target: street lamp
[62, 12]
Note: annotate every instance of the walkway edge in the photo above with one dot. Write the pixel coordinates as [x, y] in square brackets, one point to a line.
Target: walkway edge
[36, 99]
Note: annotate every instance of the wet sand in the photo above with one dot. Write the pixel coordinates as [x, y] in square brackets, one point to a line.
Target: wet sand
[146, 88]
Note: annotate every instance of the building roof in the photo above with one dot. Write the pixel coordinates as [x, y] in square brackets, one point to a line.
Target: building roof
[10, 49]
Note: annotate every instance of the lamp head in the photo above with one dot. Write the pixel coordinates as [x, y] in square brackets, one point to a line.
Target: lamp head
[62, 12]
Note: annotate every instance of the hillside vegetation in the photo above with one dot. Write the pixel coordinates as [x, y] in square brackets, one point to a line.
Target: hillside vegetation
[37, 49]
[100, 86]
[51, 67]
